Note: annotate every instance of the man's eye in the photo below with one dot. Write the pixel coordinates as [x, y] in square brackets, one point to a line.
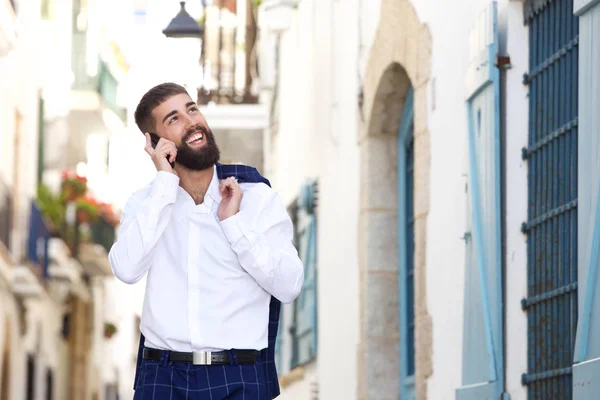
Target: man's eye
[193, 109]
[173, 119]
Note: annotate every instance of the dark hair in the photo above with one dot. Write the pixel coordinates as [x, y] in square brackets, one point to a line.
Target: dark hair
[152, 99]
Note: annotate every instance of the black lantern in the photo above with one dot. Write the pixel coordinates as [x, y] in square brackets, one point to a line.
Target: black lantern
[183, 25]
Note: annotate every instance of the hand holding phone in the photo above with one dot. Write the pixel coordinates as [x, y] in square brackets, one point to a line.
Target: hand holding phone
[162, 152]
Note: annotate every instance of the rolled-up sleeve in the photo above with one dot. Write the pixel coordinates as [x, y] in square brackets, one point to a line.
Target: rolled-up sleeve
[261, 235]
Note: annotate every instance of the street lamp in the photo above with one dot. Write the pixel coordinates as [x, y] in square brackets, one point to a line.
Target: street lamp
[220, 48]
[183, 26]
[278, 14]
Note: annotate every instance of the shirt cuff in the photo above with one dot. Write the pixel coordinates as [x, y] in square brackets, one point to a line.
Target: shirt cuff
[234, 228]
[165, 185]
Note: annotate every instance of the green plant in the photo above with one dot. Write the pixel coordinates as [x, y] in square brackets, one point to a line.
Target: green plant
[51, 205]
[73, 185]
[256, 3]
[88, 209]
[109, 329]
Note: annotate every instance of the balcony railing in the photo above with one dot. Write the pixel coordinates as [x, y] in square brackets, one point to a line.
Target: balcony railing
[230, 67]
[103, 233]
[108, 87]
[6, 199]
[100, 232]
[38, 242]
[79, 64]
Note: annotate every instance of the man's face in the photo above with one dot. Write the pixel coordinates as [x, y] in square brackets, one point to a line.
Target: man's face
[179, 120]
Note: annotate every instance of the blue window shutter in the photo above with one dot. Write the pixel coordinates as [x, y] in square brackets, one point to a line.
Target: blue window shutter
[586, 367]
[482, 371]
[581, 7]
[304, 332]
[406, 248]
[38, 241]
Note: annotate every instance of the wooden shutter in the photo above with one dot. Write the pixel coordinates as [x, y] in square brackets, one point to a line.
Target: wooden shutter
[304, 332]
[586, 367]
[482, 372]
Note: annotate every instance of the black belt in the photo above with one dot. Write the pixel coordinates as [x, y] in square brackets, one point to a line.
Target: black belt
[202, 357]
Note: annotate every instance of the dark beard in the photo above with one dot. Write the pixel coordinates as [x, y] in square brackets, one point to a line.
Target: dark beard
[198, 159]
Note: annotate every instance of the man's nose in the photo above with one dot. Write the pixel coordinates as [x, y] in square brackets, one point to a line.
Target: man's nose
[190, 122]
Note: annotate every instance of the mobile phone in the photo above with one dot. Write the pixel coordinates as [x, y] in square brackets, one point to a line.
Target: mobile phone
[154, 138]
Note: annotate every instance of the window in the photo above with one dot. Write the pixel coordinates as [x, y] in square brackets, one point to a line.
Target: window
[406, 247]
[30, 377]
[49, 384]
[297, 338]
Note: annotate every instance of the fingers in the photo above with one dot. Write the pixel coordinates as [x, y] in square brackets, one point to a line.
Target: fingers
[230, 183]
[163, 155]
[166, 148]
[170, 151]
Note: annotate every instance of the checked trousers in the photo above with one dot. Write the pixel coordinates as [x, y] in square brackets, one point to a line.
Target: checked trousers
[165, 380]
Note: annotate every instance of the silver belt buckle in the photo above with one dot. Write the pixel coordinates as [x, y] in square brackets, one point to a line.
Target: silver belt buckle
[202, 358]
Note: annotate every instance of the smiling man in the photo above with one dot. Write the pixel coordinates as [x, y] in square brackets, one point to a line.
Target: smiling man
[216, 252]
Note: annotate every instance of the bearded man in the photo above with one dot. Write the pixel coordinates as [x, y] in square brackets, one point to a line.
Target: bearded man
[215, 242]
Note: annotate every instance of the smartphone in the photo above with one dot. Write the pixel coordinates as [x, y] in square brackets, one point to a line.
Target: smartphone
[154, 138]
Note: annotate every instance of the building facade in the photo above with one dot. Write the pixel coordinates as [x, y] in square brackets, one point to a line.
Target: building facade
[58, 108]
[452, 144]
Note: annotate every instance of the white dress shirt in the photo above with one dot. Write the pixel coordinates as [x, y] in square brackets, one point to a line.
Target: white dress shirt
[209, 282]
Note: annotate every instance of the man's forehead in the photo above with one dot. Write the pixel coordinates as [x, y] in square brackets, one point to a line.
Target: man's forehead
[173, 103]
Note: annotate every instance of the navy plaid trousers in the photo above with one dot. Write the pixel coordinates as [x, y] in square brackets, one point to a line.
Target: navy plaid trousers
[168, 381]
[165, 380]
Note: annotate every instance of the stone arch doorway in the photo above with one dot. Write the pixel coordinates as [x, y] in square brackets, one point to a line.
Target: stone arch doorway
[400, 59]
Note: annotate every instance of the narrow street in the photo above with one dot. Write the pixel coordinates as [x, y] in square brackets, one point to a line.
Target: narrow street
[438, 162]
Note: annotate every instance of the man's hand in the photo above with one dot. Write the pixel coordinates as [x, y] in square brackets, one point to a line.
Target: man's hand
[163, 155]
[231, 198]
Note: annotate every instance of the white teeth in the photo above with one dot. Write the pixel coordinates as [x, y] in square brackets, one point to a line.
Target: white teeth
[195, 137]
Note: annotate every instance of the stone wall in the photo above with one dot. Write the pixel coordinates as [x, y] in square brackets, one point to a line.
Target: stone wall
[400, 57]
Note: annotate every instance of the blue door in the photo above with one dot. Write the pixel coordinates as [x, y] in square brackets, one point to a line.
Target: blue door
[406, 249]
[551, 228]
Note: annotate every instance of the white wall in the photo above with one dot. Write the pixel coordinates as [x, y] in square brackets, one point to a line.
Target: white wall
[517, 46]
[323, 58]
[10, 321]
[122, 304]
[42, 339]
[339, 200]
[18, 96]
[317, 137]
[446, 221]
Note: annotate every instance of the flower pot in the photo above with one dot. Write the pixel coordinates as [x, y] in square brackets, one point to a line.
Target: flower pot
[82, 217]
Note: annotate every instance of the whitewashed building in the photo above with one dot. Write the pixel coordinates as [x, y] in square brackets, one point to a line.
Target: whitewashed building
[58, 106]
[454, 149]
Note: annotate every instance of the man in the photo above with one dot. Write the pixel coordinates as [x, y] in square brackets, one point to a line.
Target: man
[215, 253]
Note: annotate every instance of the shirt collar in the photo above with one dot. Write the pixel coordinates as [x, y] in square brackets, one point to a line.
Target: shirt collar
[213, 188]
